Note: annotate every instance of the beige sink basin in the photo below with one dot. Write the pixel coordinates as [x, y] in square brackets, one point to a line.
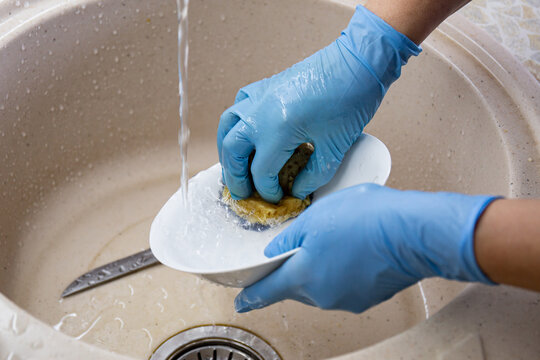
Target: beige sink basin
[89, 153]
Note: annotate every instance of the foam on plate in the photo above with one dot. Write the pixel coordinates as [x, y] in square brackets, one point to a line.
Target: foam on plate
[205, 234]
[205, 237]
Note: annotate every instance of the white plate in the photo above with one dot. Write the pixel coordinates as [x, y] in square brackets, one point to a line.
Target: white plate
[207, 239]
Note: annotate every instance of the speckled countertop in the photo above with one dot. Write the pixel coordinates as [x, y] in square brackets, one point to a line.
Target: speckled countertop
[514, 23]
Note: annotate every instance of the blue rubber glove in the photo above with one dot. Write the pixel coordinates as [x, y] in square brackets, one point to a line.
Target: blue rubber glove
[361, 245]
[326, 100]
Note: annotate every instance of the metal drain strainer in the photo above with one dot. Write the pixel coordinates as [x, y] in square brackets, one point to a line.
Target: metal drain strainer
[214, 342]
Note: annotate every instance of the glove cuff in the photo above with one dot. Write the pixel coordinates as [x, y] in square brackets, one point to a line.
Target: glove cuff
[469, 265]
[381, 48]
[444, 241]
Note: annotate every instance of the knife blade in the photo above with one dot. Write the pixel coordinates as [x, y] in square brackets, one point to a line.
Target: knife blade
[111, 271]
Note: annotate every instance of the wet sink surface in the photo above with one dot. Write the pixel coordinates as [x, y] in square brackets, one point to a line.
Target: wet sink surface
[135, 314]
[89, 120]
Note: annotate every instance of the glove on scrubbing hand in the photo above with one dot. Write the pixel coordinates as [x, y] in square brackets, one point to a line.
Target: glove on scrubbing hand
[325, 100]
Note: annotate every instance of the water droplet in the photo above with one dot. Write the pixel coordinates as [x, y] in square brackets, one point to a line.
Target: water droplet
[19, 323]
[58, 325]
[89, 328]
[161, 307]
[120, 321]
[165, 293]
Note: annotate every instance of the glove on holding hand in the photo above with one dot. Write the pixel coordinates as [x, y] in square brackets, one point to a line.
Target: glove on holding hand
[361, 245]
[326, 100]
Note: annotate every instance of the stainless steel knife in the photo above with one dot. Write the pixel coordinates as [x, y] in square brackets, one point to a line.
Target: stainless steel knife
[111, 271]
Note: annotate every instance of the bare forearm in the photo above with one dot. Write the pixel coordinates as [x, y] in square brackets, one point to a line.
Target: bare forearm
[507, 243]
[414, 18]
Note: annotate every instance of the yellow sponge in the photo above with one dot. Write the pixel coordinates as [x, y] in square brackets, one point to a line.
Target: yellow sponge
[257, 211]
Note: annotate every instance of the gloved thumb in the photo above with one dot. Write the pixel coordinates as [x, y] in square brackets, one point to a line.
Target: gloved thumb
[277, 286]
[319, 170]
[271, 289]
[254, 91]
[287, 240]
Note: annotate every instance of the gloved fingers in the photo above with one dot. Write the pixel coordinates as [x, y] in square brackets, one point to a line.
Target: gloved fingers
[289, 239]
[237, 146]
[265, 168]
[241, 95]
[277, 286]
[232, 115]
[319, 170]
[226, 122]
[254, 91]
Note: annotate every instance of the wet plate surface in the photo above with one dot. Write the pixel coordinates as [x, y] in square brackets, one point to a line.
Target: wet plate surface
[206, 238]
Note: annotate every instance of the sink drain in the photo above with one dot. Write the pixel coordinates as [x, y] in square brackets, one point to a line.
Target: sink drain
[215, 343]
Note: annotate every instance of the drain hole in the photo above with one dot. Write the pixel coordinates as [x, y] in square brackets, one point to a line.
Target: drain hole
[215, 343]
[216, 349]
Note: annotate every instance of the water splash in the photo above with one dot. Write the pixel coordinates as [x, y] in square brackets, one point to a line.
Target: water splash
[58, 326]
[424, 299]
[18, 324]
[151, 340]
[89, 328]
[183, 50]
[165, 293]
[120, 321]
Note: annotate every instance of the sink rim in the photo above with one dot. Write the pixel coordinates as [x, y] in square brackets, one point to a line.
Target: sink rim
[493, 57]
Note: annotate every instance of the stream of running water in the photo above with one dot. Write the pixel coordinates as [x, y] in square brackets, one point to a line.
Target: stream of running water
[183, 50]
